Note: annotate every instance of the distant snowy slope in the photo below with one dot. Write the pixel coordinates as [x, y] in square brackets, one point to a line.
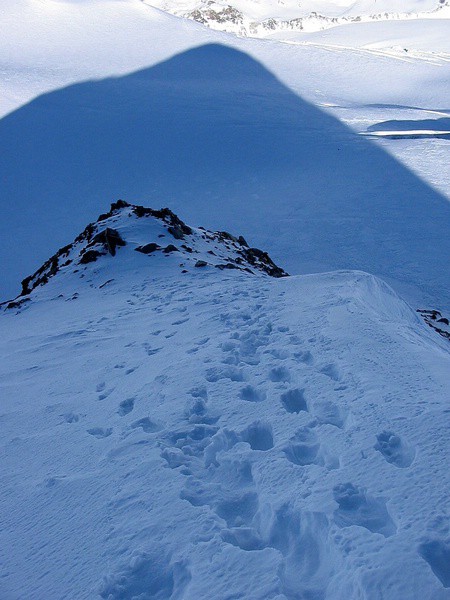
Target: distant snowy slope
[267, 17]
[217, 434]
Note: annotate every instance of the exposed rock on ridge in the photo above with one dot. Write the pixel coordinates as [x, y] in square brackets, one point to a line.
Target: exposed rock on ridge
[200, 247]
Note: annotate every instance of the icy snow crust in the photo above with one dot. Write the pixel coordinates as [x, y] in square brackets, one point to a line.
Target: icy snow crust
[220, 434]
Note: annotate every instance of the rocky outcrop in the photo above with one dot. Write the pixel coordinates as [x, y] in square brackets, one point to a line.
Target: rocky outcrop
[436, 321]
[108, 234]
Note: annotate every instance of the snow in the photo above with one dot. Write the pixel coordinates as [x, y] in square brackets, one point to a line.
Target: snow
[174, 427]
[259, 10]
[268, 17]
[220, 434]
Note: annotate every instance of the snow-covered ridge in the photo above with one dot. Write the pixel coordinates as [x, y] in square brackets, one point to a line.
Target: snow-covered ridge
[261, 19]
[152, 233]
[218, 435]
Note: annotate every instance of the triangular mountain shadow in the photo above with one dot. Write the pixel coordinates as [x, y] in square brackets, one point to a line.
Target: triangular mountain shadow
[218, 138]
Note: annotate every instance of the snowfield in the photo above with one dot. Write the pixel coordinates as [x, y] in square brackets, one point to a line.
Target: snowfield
[219, 434]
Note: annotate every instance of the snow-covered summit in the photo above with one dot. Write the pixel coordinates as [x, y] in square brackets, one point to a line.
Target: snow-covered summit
[155, 235]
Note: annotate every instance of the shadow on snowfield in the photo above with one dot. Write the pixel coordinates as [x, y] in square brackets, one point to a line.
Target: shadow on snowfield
[216, 137]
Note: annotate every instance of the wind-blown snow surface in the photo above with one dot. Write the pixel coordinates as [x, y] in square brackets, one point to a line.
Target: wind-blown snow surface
[216, 434]
[215, 135]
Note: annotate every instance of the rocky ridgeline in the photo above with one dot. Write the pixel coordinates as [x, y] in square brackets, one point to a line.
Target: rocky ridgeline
[194, 247]
[436, 321]
[226, 17]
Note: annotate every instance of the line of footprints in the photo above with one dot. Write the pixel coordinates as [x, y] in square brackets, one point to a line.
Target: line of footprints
[217, 462]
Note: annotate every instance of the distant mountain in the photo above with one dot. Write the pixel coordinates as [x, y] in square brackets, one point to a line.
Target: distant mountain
[262, 18]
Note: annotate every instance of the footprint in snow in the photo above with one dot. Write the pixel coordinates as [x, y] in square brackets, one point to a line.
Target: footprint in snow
[251, 394]
[304, 356]
[437, 555]
[100, 432]
[279, 374]
[181, 321]
[71, 417]
[259, 435]
[126, 406]
[332, 371]
[394, 449]
[303, 448]
[146, 424]
[435, 549]
[105, 392]
[294, 401]
[151, 351]
[355, 507]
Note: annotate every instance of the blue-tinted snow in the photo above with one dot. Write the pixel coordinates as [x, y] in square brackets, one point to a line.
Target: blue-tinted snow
[218, 138]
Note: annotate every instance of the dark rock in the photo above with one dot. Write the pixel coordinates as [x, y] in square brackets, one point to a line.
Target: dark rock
[119, 204]
[115, 206]
[170, 248]
[432, 318]
[64, 251]
[141, 211]
[26, 288]
[148, 248]
[262, 260]
[177, 232]
[106, 283]
[90, 256]
[17, 303]
[96, 243]
[110, 238]
[224, 235]
[166, 215]
[228, 266]
[86, 234]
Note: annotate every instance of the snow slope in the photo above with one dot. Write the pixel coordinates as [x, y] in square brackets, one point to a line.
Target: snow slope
[219, 434]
